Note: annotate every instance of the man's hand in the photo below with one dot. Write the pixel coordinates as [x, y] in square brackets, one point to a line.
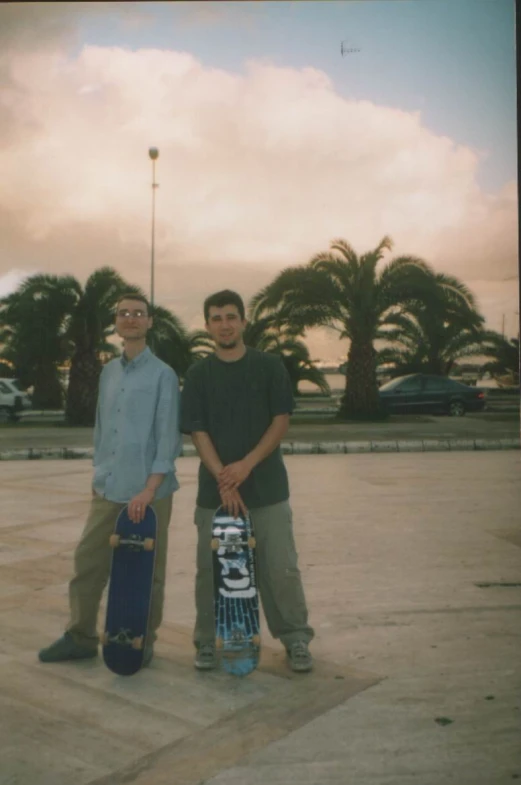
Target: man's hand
[233, 503]
[137, 505]
[234, 475]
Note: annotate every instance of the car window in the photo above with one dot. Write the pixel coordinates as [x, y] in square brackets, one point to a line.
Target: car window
[391, 385]
[411, 385]
[403, 383]
[435, 384]
[5, 389]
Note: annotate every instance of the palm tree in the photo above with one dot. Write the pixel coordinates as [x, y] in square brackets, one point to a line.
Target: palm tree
[34, 326]
[339, 290]
[505, 354]
[50, 320]
[431, 338]
[174, 344]
[263, 334]
[6, 370]
[91, 323]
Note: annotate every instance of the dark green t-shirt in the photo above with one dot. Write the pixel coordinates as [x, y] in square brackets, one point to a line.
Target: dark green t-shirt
[235, 403]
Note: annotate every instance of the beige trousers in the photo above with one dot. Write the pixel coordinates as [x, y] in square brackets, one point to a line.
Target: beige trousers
[278, 576]
[92, 560]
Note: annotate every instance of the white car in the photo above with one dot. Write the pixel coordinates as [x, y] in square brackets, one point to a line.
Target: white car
[12, 400]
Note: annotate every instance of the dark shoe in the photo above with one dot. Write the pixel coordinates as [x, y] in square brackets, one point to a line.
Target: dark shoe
[300, 659]
[205, 659]
[65, 648]
[149, 653]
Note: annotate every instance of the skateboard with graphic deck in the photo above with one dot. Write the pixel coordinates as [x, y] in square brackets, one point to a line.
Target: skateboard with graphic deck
[130, 591]
[236, 600]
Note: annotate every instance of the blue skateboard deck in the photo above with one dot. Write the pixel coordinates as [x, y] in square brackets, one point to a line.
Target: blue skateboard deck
[236, 600]
[130, 590]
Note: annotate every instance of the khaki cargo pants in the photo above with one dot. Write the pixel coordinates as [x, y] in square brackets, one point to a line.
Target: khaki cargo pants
[92, 560]
[278, 576]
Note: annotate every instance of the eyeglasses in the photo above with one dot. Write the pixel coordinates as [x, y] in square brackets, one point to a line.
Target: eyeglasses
[124, 313]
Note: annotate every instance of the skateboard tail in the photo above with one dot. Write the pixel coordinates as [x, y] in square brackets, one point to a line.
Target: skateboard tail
[240, 667]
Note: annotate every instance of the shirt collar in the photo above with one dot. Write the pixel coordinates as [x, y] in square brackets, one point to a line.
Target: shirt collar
[141, 358]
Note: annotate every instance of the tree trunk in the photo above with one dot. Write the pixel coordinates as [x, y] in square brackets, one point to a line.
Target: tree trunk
[436, 366]
[48, 391]
[82, 394]
[361, 400]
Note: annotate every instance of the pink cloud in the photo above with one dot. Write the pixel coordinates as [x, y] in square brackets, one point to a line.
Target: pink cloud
[256, 171]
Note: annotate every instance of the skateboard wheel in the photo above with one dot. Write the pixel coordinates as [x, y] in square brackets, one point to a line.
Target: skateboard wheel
[252, 542]
[218, 643]
[114, 540]
[256, 640]
[137, 643]
[148, 544]
[215, 544]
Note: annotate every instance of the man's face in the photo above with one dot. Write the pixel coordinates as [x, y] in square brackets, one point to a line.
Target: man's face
[132, 320]
[225, 326]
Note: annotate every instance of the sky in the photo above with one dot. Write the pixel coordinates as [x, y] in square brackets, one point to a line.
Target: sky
[272, 143]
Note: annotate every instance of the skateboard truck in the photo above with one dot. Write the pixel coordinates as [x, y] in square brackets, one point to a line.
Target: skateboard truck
[136, 542]
[123, 639]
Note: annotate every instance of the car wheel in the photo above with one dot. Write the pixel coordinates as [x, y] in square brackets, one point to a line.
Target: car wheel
[456, 409]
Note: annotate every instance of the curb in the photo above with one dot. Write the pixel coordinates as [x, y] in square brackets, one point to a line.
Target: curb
[296, 448]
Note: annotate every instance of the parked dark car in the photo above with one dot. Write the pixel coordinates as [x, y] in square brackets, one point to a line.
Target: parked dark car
[421, 393]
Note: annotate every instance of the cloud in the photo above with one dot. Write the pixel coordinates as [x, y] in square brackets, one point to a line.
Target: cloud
[11, 281]
[256, 171]
[46, 24]
[484, 246]
[23, 24]
[48, 28]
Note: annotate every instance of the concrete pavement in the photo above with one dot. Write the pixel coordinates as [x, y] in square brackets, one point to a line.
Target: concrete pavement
[412, 572]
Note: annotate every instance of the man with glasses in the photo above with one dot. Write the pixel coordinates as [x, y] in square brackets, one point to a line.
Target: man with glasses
[136, 442]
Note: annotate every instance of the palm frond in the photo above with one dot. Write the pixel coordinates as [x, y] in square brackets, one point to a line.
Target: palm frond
[345, 250]
[455, 291]
[300, 297]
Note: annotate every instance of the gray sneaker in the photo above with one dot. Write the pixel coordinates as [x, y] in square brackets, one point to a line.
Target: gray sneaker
[300, 659]
[205, 659]
[65, 648]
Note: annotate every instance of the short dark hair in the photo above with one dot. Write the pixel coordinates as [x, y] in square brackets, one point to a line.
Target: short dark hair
[220, 299]
[140, 298]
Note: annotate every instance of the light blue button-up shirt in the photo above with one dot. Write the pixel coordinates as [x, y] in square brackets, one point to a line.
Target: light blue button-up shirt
[137, 427]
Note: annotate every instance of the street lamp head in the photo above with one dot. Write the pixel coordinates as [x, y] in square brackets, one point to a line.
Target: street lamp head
[153, 153]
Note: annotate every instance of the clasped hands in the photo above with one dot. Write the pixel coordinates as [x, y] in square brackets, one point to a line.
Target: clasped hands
[229, 479]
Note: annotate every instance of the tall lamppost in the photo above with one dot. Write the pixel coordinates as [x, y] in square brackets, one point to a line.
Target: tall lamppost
[154, 155]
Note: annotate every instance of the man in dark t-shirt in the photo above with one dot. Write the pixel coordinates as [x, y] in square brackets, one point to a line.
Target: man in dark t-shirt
[236, 405]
